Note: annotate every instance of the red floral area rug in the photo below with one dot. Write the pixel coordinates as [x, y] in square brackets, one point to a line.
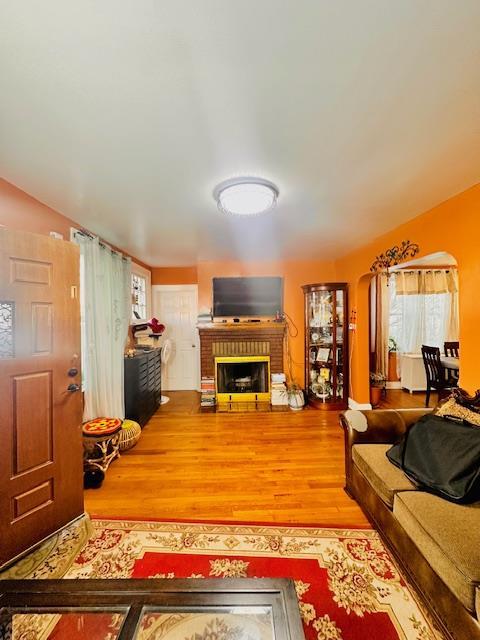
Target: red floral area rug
[347, 585]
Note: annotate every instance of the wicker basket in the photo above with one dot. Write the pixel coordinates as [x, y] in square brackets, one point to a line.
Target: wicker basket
[129, 435]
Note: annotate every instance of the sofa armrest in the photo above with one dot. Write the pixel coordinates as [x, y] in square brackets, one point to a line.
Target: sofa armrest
[377, 426]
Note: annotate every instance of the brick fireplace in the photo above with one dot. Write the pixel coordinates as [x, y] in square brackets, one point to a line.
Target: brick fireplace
[241, 339]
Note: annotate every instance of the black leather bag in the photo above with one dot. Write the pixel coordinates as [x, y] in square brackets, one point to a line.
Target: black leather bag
[442, 456]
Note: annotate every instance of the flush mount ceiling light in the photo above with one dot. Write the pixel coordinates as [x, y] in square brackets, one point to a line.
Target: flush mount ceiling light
[246, 196]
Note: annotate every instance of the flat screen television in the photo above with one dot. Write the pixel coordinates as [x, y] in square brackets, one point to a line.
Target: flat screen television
[247, 297]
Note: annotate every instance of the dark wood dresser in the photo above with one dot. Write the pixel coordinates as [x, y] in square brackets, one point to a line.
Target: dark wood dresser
[142, 386]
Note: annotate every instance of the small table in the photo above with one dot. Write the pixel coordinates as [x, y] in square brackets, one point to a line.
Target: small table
[101, 443]
[261, 608]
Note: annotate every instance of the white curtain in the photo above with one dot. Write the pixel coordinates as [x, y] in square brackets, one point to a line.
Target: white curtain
[424, 308]
[106, 309]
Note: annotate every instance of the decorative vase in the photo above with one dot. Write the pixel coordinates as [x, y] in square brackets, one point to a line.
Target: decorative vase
[296, 400]
[375, 396]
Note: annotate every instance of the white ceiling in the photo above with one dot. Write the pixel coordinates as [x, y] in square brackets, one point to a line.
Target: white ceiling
[124, 114]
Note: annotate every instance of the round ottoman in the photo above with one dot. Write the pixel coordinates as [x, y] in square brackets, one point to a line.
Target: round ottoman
[129, 435]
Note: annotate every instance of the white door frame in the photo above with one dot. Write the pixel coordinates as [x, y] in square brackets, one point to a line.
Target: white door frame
[180, 287]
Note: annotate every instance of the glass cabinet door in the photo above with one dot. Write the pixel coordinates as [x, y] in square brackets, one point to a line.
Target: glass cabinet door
[325, 343]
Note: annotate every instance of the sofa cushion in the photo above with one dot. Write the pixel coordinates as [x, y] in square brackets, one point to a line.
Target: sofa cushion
[384, 477]
[448, 536]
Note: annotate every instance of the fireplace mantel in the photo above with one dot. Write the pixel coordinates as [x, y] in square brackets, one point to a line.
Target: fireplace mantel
[241, 338]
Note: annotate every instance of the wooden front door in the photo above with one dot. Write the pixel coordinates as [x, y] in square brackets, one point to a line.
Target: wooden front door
[41, 485]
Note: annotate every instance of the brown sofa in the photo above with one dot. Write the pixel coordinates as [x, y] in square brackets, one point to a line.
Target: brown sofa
[436, 542]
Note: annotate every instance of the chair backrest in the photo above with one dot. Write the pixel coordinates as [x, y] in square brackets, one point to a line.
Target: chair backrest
[452, 349]
[432, 363]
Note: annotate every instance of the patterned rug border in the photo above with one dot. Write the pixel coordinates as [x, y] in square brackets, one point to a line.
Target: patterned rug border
[240, 523]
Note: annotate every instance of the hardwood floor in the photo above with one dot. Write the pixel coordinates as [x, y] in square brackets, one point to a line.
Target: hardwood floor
[253, 467]
[397, 398]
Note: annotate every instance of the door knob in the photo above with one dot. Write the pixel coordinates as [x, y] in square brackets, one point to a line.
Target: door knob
[72, 372]
[73, 387]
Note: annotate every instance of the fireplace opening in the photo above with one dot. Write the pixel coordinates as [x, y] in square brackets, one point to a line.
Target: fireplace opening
[239, 377]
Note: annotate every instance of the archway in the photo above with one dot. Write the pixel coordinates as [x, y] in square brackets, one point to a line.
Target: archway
[415, 305]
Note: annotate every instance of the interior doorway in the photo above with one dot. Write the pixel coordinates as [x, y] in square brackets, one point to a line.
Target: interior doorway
[416, 304]
[176, 307]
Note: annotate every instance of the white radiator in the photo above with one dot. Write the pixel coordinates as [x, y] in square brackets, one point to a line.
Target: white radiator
[413, 372]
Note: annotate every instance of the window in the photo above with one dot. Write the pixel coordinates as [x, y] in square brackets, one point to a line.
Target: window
[420, 319]
[141, 293]
[139, 297]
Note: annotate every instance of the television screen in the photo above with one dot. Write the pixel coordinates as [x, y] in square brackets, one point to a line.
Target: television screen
[247, 297]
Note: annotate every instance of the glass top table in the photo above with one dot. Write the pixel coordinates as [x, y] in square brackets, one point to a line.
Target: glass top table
[244, 609]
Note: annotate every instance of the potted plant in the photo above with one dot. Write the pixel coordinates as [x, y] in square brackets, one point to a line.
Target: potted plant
[296, 399]
[377, 384]
[393, 360]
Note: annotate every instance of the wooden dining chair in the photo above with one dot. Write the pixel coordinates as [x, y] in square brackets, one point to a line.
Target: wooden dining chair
[451, 349]
[436, 374]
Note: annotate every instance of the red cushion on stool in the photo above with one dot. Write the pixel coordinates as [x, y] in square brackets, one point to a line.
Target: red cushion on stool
[102, 427]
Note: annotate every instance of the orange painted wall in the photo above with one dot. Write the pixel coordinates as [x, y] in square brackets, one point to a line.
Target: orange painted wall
[174, 275]
[22, 212]
[295, 275]
[452, 226]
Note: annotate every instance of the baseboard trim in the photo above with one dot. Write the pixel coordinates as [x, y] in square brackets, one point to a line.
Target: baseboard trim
[353, 404]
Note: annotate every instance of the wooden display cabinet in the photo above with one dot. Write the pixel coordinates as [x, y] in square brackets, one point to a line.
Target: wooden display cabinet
[326, 345]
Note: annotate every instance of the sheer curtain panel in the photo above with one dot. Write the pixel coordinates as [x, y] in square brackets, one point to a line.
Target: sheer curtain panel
[106, 308]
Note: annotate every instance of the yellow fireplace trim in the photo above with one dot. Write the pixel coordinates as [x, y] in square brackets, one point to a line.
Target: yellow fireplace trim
[234, 359]
[226, 398]
[242, 397]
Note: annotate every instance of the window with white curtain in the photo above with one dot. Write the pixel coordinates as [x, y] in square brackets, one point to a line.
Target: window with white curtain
[417, 319]
[139, 297]
[141, 293]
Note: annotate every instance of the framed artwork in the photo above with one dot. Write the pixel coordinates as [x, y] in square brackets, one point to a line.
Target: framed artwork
[324, 354]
